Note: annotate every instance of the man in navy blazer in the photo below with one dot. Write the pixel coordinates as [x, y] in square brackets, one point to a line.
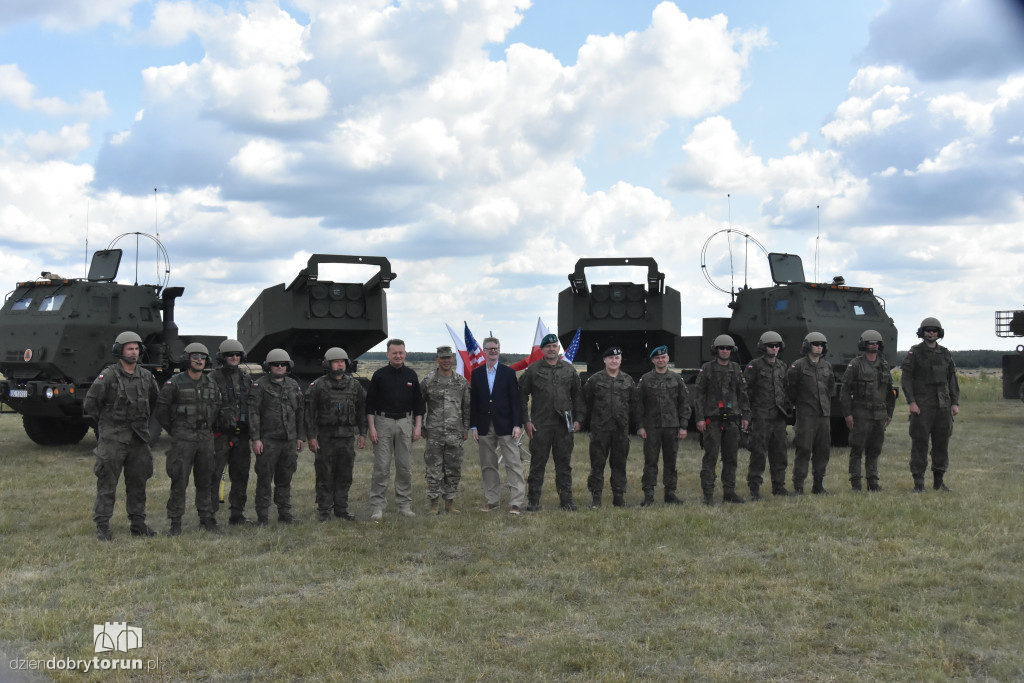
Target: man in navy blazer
[496, 419]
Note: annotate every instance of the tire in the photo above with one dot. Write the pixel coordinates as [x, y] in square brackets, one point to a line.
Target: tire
[54, 431]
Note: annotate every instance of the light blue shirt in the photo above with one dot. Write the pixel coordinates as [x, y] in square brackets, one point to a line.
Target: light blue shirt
[491, 373]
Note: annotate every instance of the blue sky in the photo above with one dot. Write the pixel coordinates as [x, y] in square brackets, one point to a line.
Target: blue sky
[484, 145]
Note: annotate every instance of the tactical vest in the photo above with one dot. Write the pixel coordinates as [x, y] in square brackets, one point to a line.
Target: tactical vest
[196, 405]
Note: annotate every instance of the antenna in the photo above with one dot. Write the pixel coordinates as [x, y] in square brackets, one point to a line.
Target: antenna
[728, 241]
[816, 241]
[156, 228]
[85, 257]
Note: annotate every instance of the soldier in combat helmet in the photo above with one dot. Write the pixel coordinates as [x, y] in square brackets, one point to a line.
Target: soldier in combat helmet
[810, 383]
[119, 401]
[933, 392]
[721, 408]
[664, 413]
[868, 401]
[770, 408]
[277, 429]
[189, 407]
[446, 426]
[335, 414]
[552, 399]
[231, 441]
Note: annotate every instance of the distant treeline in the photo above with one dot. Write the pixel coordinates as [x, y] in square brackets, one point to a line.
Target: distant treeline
[963, 359]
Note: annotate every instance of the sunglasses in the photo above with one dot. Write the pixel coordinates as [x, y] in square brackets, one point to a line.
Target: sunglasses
[279, 365]
[233, 354]
[773, 346]
[817, 343]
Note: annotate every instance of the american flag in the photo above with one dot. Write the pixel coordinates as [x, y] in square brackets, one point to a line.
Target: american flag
[574, 346]
[476, 355]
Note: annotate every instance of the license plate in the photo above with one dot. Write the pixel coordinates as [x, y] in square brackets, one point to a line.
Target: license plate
[18, 393]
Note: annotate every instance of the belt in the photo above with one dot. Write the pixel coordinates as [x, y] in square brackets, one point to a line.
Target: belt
[393, 416]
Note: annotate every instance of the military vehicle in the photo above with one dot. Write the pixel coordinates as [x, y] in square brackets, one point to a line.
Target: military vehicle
[56, 335]
[639, 318]
[634, 316]
[1011, 324]
[311, 315]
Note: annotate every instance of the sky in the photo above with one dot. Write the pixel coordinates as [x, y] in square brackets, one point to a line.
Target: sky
[483, 146]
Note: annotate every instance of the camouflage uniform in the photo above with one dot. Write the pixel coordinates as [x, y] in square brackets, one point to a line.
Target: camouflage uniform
[810, 387]
[189, 410]
[769, 405]
[929, 379]
[231, 441]
[552, 400]
[446, 425]
[276, 417]
[120, 403]
[867, 396]
[720, 401]
[609, 403]
[664, 409]
[335, 414]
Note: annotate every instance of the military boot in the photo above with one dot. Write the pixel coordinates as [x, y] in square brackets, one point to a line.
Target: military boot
[648, 499]
[874, 486]
[141, 529]
[939, 486]
[780, 490]
[209, 524]
[672, 499]
[755, 492]
[565, 501]
[324, 516]
[435, 506]
[709, 499]
[175, 528]
[262, 519]
[286, 517]
[618, 499]
[919, 484]
[855, 484]
[103, 532]
[239, 520]
[731, 497]
[449, 507]
[819, 487]
[596, 501]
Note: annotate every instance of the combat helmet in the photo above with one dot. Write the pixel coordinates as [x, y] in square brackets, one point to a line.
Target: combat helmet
[335, 353]
[230, 346]
[770, 337]
[930, 322]
[277, 356]
[122, 339]
[196, 347]
[805, 348]
[870, 336]
[723, 340]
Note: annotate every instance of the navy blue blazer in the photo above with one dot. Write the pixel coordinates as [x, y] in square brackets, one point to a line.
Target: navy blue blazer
[500, 408]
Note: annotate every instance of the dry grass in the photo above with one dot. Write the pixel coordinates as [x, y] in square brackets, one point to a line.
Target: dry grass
[892, 586]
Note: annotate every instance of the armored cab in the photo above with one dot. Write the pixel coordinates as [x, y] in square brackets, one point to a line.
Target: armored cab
[636, 316]
[1011, 324]
[793, 307]
[311, 315]
[56, 335]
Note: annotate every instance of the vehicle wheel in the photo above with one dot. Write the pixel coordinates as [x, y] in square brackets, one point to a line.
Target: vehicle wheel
[54, 431]
[840, 432]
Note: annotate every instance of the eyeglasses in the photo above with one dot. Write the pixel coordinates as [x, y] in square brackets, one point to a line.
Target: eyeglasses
[773, 345]
[723, 348]
[197, 356]
[817, 343]
[233, 354]
[278, 365]
[931, 329]
[491, 348]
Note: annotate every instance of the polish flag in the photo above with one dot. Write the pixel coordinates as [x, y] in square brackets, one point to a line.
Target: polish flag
[470, 356]
[535, 352]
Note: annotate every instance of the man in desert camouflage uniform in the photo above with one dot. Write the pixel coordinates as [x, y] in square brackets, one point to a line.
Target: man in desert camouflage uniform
[446, 427]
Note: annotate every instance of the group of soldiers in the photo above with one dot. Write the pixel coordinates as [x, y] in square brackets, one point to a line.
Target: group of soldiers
[218, 419]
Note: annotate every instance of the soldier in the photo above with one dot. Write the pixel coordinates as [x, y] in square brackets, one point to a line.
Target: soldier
[335, 413]
[609, 398]
[933, 392]
[394, 407]
[446, 394]
[554, 386]
[231, 441]
[721, 409]
[868, 401]
[277, 430]
[810, 383]
[189, 406]
[119, 401]
[769, 403]
[664, 409]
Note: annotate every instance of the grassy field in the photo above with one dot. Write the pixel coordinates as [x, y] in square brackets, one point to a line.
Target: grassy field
[851, 587]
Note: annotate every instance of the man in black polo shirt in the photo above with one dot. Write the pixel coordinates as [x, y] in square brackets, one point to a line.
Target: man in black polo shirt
[394, 407]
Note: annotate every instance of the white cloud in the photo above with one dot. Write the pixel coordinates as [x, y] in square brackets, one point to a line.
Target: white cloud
[67, 15]
[16, 88]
